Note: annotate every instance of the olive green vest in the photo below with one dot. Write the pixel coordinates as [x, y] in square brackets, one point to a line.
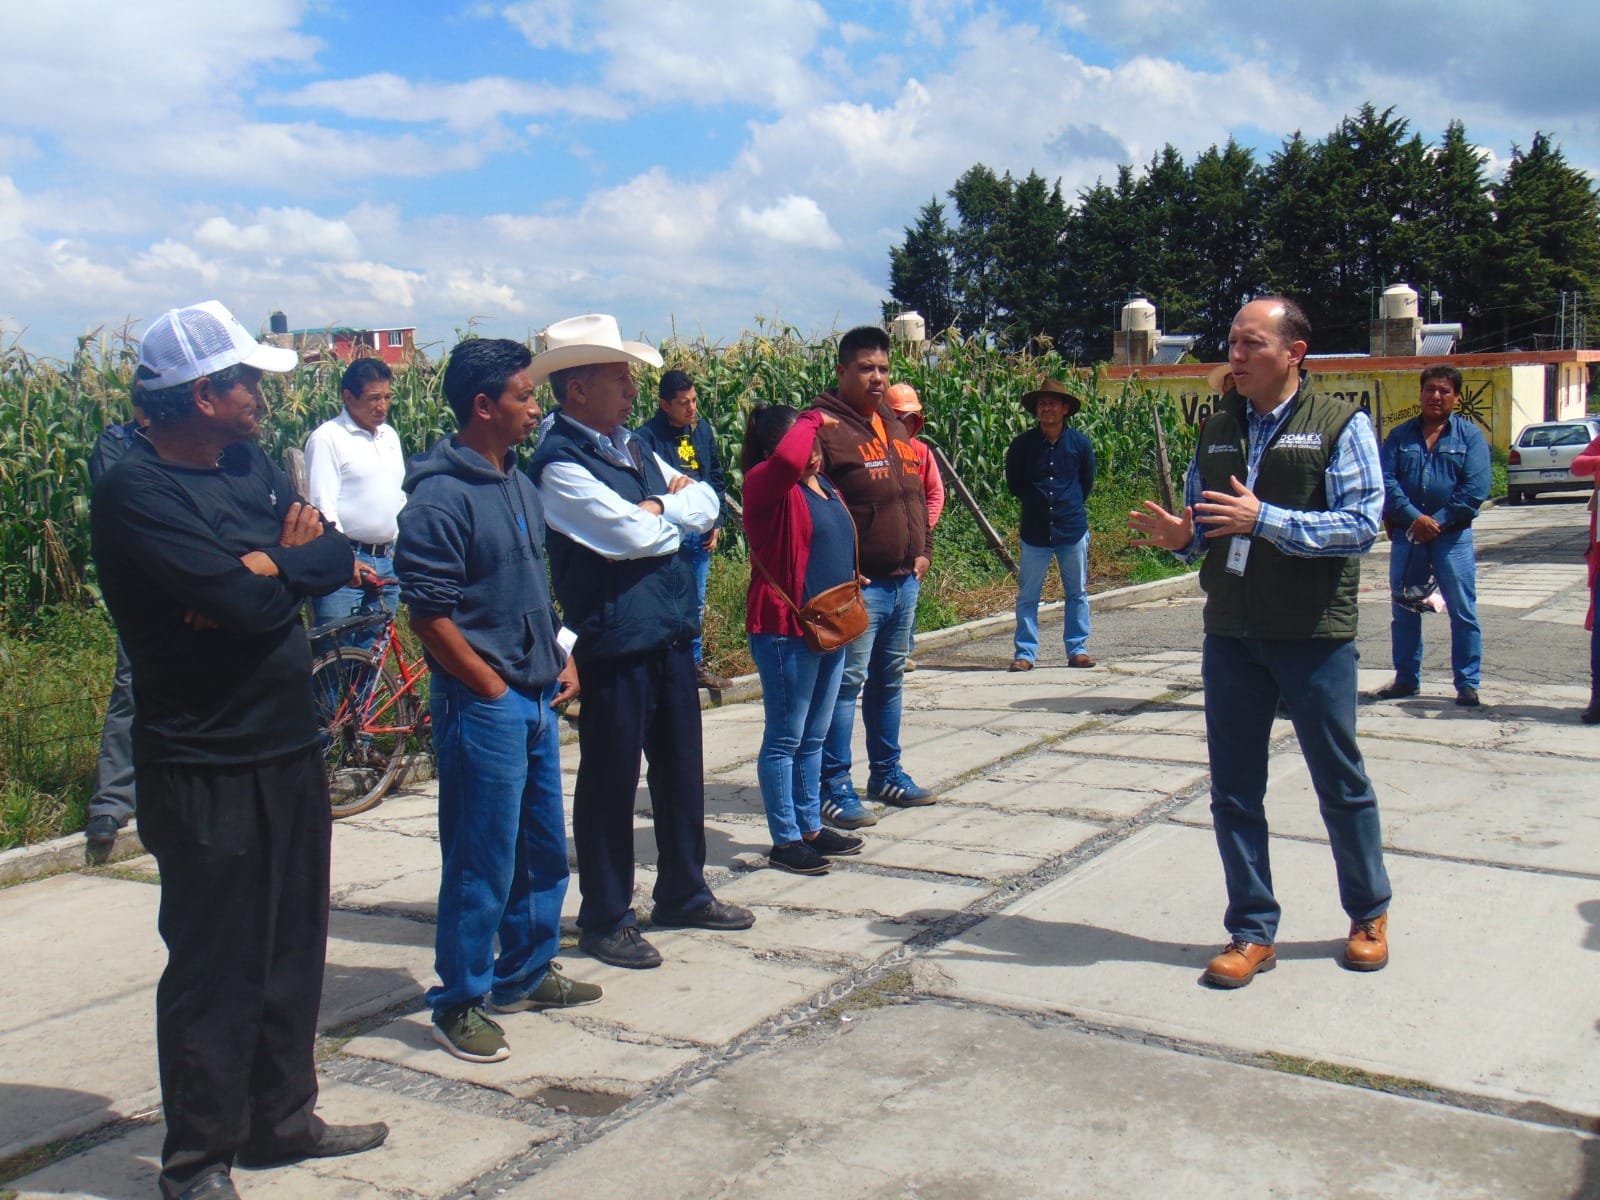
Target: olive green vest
[1279, 595]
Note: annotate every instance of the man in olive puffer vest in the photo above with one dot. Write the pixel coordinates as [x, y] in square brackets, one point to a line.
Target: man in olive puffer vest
[1284, 495]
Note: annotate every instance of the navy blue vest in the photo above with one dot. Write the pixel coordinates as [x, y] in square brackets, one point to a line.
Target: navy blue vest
[617, 607]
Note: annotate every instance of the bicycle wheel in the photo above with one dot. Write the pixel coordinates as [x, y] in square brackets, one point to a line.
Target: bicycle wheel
[365, 722]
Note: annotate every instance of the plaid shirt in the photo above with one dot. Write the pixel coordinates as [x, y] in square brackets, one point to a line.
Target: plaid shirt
[1354, 478]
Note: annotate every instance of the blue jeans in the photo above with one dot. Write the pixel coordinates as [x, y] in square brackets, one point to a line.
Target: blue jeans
[1455, 570]
[1072, 559]
[799, 688]
[503, 840]
[693, 551]
[1317, 678]
[113, 781]
[348, 601]
[874, 669]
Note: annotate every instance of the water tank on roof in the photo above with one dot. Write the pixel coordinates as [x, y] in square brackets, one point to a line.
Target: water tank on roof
[1399, 303]
[908, 327]
[1138, 316]
[278, 323]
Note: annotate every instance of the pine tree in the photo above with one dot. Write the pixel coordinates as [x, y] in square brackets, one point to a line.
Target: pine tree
[1546, 240]
[982, 200]
[922, 270]
[1454, 226]
[1028, 245]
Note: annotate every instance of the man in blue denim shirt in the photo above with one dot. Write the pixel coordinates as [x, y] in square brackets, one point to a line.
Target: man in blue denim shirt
[1435, 475]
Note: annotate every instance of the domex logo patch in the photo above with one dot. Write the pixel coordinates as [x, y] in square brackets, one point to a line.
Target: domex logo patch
[1309, 441]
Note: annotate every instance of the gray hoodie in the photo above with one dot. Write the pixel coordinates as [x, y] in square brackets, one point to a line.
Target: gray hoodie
[471, 548]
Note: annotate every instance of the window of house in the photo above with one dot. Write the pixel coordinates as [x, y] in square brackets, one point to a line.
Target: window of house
[397, 337]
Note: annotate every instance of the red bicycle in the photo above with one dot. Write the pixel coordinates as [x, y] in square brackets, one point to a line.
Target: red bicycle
[369, 710]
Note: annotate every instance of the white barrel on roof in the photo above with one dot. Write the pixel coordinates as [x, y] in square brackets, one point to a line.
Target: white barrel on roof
[1138, 315]
[1399, 302]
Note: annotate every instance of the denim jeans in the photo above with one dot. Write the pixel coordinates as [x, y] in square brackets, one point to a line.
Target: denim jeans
[874, 670]
[1072, 559]
[693, 551]
[113, 781]
[798, 690]
[1317, 679]
[348, 601]
[502, 837]
[1455, 570]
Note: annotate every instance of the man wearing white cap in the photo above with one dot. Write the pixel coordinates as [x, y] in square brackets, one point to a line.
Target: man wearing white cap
[617, 515]
[205, 557]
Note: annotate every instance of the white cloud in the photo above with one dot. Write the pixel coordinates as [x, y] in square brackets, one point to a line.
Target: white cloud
[281, 232]
[794, 221]
[392, 290]
[547, 24]
[460, 106]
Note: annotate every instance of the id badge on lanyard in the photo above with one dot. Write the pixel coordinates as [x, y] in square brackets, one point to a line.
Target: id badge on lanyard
[1239, 544]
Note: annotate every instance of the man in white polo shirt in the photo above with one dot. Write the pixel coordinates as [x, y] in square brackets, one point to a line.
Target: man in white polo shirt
[354, 468]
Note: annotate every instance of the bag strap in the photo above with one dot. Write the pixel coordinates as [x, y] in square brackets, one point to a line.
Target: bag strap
[856, 558]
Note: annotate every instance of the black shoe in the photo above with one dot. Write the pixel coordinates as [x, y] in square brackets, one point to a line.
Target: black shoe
[623, 947]
[216, 1186]
[335, 1141]
[798, 858]
[1467, 697]
[1396, 691]
[1591, 715]
[835, 845]
[99, 838]
[713, 914]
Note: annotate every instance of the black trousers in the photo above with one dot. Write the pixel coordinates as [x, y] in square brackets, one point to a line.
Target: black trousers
[243, 852]
[645, 703]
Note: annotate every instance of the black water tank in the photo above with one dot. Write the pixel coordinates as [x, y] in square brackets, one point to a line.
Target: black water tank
[278, 323]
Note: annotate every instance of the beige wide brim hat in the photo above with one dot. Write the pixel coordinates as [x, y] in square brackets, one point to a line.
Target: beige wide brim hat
[585, 341]
[1220, 379]
[1052, 387]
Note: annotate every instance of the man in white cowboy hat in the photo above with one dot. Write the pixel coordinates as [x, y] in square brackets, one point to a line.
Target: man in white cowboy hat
[1050, 469]
[617, 515]
[206, 556]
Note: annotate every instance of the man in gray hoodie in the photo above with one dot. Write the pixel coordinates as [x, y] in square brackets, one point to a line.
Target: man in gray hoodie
[471, 563]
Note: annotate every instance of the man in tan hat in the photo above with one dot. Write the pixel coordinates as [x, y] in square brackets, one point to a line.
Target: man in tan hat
[617, 515]
[1050, 470]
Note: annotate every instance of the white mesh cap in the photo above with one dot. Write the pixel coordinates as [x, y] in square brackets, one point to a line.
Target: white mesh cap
[183, 344]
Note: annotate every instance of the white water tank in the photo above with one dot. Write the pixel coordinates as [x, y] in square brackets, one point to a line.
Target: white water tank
[909, 327]
[1399, 303]
[1138, 316]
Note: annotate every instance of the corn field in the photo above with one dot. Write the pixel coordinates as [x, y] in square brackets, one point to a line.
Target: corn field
[52, 412]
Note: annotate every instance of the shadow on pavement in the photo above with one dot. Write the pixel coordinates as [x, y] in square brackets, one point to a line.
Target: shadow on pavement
[1010, 938]
[82, 1115]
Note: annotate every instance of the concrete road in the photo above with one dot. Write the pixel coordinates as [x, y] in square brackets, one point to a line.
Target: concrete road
[1001, 996]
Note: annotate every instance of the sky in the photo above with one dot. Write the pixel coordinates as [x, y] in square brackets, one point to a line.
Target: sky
[696, 169]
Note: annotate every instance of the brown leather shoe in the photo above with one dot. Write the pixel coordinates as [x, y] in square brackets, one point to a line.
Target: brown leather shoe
[1368, 947]
[1080, 660]
[1241, 962]
[1021, 664]
[709, 679]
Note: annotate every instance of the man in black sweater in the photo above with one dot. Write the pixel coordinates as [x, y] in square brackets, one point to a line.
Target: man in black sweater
[205, 556]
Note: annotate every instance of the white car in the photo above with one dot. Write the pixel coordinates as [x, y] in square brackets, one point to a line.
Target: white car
[1541, 458]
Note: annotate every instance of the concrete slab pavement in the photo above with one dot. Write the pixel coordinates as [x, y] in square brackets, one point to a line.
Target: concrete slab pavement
[949, 1104]
[1037, 935]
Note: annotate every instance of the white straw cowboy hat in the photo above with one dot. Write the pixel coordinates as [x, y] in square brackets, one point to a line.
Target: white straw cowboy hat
[585, 341]
[1220, 379]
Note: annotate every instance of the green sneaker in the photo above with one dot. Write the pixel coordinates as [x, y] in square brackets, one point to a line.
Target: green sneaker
[468, 1034]
[555, 990]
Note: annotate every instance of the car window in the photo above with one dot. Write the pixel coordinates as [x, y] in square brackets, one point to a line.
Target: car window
[1535, 435]
[1572, 435]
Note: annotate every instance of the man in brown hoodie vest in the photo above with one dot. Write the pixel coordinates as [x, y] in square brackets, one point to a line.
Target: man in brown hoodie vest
[869, 457]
